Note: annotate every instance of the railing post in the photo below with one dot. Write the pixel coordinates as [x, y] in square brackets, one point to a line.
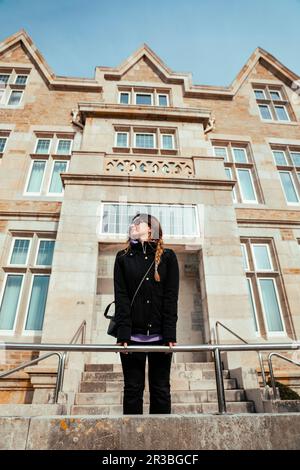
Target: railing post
[262, 368]
[60, 376]
[219, 381]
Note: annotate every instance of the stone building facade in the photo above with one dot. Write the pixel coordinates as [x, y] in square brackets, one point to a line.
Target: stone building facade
[220, 167]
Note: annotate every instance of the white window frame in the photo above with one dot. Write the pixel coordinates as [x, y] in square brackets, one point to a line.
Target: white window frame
[243, 200]
[244, 251]
[117, 236]
[141, 93]
[275, 91]
[36, 145]
[221, 147]
[32, 332]
[245, 152]
[21, 75]
[50, 178]
[291, 153]
[12, 331]
[248, 279]
[286, 112]
[294, 186]
[124, 93]
[267, 106]
[57, 144]
[285, 157]
[116, 139]
[271, 334]
[29, 174]
[271, 270]
[18, 104]
[5, 138]
[145, 133]
[260, 90]
[162, 94]
[12, 249]
[2, 94]
[37, 253]
[173, 141]
[7, 75]
[233, 191]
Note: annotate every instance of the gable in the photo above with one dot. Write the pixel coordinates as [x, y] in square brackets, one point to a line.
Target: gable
[15, 54]
[143, 71]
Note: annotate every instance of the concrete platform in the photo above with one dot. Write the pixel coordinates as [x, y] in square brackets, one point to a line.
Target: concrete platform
[164, 432]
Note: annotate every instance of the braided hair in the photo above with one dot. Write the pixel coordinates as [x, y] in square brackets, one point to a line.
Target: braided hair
[155, 236]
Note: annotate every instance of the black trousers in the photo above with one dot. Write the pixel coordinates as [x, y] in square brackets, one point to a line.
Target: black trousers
[159, 366]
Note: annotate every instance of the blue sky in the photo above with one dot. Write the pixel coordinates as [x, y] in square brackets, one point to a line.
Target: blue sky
[210, 38]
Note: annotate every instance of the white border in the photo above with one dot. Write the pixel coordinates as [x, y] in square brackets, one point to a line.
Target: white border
[116, 139]
[245, 258]
[57, 144]
[36, 145]
[287, 114]
[260, 270]
[294, 186]
[145, 133]
[173, 141]
[271, 333]
[33, 332]
[249, 281]
[284, 153]
[221, 147]
[50, 179]
[141, 93]
[233, 155]
[5, 138]
[12, 332]
[129, 97]
[12, 249]
[248, 201]
[18, 104]
[267, 106]
[260, 90]
[37, 252]
[28, 193]
[21, 75]
[162, 94]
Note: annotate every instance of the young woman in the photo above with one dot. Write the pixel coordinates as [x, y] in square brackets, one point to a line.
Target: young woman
[152, 318]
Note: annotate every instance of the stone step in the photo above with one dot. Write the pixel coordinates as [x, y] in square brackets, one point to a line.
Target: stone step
[196, 374]
[175, 366]
[176, 384]
[195, 396]
[180, 408]
[19, 409]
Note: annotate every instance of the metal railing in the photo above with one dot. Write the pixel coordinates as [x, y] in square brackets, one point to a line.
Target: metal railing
[216, 349]
[60, 369]
[271, 370]
[260, 357]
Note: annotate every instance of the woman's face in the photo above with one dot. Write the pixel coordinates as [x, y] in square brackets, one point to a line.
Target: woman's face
[139, 231]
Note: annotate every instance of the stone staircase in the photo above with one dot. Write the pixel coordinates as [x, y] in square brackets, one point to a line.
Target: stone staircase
[193, 390]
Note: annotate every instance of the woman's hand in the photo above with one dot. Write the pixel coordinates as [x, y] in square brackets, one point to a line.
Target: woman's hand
[170, 344]
[122, 344]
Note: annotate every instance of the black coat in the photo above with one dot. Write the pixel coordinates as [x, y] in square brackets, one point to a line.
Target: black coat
[154, 309]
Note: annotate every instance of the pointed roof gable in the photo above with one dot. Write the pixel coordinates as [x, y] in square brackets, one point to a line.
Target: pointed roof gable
[157, 66]
[21, 38]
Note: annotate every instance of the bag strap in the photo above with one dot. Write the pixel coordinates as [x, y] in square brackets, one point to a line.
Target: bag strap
[108, 306]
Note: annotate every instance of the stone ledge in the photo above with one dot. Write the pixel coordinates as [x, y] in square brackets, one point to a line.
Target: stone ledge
[164, 432]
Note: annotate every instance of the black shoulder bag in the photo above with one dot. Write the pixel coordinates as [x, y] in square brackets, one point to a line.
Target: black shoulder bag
[112, 329]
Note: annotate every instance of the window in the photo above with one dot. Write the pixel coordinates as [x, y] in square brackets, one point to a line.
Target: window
[56, 186]
[21, 79]
[167, 141]
[289, 188]
[37, 303]
[146, 141]
[265, 287]
[163, 100]
[124, 97]
[2, 143]
[10, 301]
[64, 146]
[4, 79]
[36, 176]
[239, 165]
[20, 251]
[143, 98]
[287, 161]
[272, 103]
[24, 293]
[15, 98]
[43, 146]
[45, 252]
[177, 220]
[121, 139]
